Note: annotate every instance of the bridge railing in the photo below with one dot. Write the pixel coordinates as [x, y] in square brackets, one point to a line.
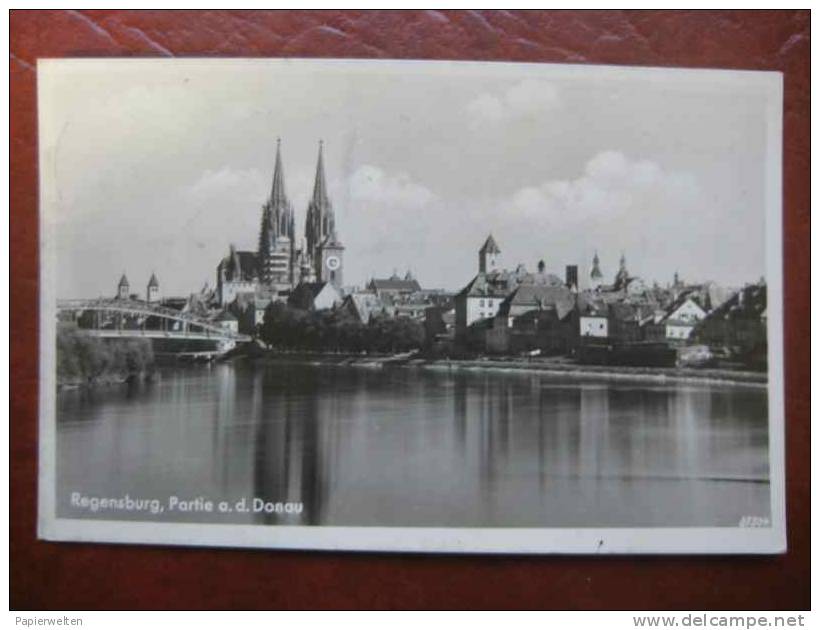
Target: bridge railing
[143, 308]
[163, 334]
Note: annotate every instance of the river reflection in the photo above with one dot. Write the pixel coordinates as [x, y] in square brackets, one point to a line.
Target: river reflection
[417, 447]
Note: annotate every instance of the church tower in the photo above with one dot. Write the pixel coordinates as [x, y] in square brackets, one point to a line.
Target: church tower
[596, 278]
[622, 277]
[152, 292]
[324, 248]
[276, 252]
[123, 288]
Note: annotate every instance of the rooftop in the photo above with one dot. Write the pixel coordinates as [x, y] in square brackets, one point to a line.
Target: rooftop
[748, 303]
[239, 265]
[490, 246]
[540, 297]
[394, 283]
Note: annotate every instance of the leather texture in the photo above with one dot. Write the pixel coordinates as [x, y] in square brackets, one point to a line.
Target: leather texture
[92, 576]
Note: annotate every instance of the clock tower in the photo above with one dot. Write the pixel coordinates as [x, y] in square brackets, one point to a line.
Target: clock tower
[329, 261]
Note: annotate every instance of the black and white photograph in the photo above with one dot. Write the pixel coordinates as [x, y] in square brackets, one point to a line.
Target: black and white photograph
[411, 306]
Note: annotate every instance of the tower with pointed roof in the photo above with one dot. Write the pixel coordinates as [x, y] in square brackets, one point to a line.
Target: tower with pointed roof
[275, 256]
[152, 292]
[488, 256]
[123, 288]
[596, 278]
[323, 245]
[622, 276]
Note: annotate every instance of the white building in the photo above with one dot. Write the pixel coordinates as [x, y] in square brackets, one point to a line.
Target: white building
[593, 316]
[227, 321]
[594, 325]
[682, 317]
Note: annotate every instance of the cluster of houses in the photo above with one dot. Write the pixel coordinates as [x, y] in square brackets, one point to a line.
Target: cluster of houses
[515, 311]
[520, 312]
[243, 311]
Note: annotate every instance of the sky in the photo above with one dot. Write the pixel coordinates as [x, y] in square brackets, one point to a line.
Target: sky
[159, 165]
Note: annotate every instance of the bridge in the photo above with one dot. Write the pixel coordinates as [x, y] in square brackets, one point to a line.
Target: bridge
[132, 319]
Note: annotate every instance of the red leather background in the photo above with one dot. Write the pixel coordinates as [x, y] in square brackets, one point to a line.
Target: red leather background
[88, 576]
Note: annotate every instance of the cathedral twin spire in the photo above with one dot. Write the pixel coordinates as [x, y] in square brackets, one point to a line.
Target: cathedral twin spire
[278, 217]
[277, 213]
[319, 186]
[321, 221]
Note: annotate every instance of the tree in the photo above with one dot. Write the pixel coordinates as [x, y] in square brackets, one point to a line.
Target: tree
[334, 330]
[81, 357]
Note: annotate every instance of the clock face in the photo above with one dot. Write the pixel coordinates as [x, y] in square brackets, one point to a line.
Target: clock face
[333, 262]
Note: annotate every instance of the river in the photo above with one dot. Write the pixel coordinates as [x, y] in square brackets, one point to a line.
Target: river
[413, 447]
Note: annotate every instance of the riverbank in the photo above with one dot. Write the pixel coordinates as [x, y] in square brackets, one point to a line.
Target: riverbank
[559, 367]
[644, 374]
[106, 380]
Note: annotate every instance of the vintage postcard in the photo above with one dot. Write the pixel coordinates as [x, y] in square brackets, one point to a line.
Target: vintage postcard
[411, 306]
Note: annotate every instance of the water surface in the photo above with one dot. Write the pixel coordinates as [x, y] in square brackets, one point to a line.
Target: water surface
[415, 447]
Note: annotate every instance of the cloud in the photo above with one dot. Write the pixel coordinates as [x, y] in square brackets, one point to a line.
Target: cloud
[611, 186]
[389, 219]
[226, 181]
[616, 204]
[370, 184]
[523, 99]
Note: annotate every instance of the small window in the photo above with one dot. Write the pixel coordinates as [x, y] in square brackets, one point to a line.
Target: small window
[481, 302]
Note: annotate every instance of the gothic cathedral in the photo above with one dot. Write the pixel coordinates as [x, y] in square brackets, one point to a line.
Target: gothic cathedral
[281, 264]
[278, 265]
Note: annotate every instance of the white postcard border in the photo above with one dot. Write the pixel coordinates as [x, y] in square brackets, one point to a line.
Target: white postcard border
[661, 540]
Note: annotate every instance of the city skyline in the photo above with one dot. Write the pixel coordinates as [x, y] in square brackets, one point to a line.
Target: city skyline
[166, 192]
